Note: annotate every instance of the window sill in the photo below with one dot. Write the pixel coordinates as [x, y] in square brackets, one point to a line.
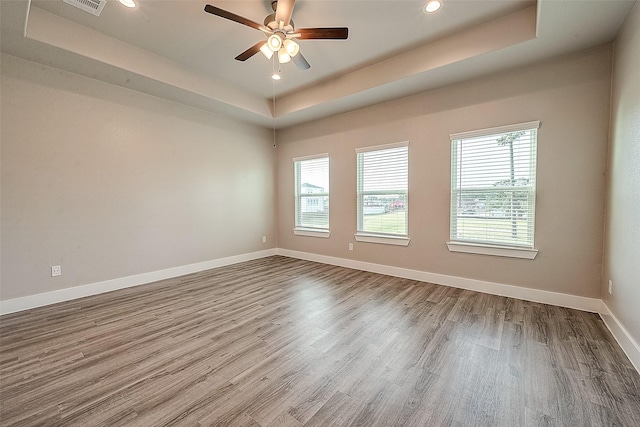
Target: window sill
[382, 239]
[311, 232]
[504, 251]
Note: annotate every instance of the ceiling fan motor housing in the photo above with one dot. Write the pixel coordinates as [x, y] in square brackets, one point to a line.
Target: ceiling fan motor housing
[270, 22]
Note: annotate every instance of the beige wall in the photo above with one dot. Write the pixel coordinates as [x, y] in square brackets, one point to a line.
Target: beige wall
[622, 244]
[108, 182]
[571, 99]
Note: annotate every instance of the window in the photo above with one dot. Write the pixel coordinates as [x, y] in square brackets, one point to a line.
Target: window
[493, 190]
[383, 175]
[312, 195]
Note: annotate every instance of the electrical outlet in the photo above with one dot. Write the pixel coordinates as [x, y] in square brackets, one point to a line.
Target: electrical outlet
[610, 287]
[264, 239]
[56, 270]
[350, 246]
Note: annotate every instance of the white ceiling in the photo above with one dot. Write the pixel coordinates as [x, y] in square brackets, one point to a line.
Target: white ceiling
[173, 49]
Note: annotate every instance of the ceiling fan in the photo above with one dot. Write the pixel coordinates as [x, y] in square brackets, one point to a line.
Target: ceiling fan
[281, 33]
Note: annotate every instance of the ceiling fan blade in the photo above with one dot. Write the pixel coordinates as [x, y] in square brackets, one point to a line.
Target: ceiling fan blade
[250, 52]
[232, 17]
[284, 11]
[301, 61]
[338, 33]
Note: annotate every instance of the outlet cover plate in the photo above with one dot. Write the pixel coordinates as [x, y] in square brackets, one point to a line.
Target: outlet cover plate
[56, 270]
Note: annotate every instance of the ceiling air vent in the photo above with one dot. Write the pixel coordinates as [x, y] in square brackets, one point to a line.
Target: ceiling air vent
[94, 7]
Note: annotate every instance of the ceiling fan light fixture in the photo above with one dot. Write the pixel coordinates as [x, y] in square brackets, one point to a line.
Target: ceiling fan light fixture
[128, 3]
[291, 47]
[266, 51]
[433, 6]
[283, 56]
[275, 42]
[279, 30]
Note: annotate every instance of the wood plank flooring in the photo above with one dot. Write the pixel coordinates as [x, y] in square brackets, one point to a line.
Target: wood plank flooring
[284, 342]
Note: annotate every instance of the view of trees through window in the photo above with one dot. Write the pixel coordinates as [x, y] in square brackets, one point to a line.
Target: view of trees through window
[493, 188]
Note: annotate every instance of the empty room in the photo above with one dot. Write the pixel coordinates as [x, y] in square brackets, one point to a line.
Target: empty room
[320, 213]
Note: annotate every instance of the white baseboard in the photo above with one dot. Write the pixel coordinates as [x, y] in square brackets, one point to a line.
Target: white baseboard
[626, 341]
[47, 298]
[594, 305]
[535, 295]
[624, 338]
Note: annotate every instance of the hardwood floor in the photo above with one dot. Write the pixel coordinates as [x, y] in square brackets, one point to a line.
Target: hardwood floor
[284, 342]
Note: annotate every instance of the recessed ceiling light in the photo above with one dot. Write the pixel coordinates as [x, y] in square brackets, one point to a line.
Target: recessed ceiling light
[275, 76]
[432, 6]
[128, 3]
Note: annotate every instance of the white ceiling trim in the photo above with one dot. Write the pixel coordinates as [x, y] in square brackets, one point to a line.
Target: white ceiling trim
[65, 38]
[50, 29]
[503, 32]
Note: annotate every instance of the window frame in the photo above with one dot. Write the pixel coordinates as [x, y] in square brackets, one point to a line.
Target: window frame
[487, 247]
[379, 237]
[298, 229]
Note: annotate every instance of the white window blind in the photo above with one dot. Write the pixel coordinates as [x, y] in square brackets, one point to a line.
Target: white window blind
[312, 192]
[382, 196]
[493, 186]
